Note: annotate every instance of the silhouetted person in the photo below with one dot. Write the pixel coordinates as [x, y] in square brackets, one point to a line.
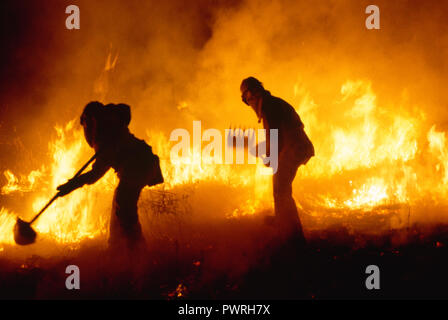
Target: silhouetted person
[294, 149]
[106, 130]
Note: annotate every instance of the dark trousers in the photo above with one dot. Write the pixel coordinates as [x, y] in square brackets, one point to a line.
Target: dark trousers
[285, 208]
[125, 229]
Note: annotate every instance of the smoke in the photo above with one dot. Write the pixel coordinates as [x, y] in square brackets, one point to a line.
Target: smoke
[171, 53]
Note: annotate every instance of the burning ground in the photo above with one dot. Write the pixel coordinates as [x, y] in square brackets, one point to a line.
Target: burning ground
[200, 246]
[373, 104]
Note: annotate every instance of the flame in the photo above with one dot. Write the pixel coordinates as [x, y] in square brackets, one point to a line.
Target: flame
[437, 145]
[71, 218]
[7, 222]
[181, 290]
[101, 85]
[13, 183]
[196, 167]
[372, 153]
[26, 185]
[376, 158]
[364, 142]
[371, 193]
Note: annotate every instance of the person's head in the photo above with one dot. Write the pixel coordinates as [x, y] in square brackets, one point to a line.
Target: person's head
[251, 92]
[88, 120]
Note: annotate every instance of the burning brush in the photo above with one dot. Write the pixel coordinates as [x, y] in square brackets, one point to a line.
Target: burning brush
[24, 234]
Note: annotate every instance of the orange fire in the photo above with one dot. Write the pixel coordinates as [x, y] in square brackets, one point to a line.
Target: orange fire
[375, 158]
[369, 158]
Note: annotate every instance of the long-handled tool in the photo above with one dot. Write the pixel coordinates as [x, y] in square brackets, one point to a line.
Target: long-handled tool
[23, 232]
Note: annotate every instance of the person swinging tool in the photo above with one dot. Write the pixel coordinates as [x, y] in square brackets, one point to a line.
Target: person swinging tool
[106, 131]
[294, 150]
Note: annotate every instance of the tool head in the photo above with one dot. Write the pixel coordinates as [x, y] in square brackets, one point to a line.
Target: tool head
[23, 233]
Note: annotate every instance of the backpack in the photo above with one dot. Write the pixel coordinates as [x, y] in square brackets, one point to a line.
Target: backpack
[155, 177]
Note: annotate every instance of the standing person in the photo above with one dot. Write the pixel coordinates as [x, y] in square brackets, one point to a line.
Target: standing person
[294, 150]
[106, 131]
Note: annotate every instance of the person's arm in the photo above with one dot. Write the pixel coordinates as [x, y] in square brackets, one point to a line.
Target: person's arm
[272, 119]
[99, 169]
[267, 128]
